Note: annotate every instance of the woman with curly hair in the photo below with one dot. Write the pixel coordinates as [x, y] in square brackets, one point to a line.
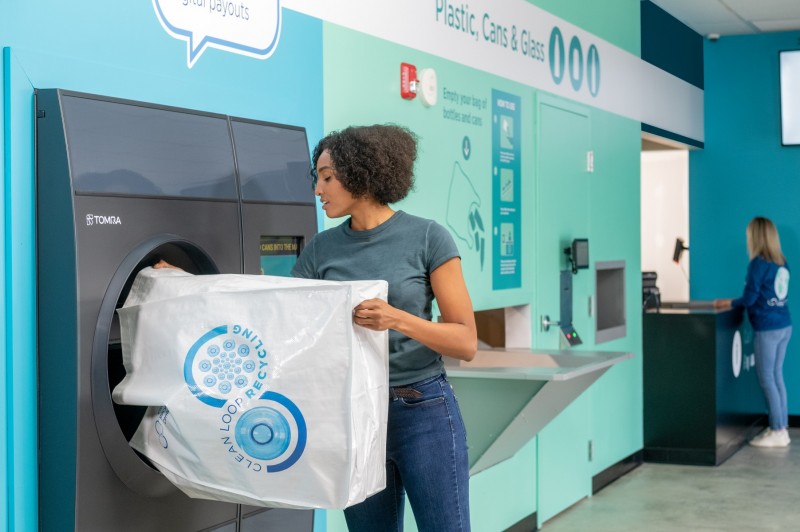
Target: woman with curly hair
[358, 172]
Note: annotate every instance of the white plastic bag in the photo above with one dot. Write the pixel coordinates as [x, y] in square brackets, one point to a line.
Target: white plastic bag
[261, 389]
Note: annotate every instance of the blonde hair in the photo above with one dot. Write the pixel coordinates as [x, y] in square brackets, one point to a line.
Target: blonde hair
[763, 241]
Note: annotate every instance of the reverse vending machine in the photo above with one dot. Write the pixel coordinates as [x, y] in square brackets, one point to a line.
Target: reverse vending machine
[120, 185]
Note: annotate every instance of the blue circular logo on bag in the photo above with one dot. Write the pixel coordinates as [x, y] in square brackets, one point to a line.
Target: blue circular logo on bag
[226, 368]
[269, 433]
[226, 362]
[263, 433]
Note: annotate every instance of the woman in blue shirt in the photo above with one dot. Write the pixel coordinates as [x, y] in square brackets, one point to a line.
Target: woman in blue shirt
[357, 173]
[766, 297]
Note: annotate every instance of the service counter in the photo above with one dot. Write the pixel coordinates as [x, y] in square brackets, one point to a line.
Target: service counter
[508, 395]
[702, 400]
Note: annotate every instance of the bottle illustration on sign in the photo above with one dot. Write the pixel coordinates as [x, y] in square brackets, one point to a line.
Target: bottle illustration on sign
[507, 185]
[506, 240]
[506, 133]
[463, 212]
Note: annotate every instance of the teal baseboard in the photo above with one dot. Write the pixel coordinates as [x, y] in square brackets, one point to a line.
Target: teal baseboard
[612, 473]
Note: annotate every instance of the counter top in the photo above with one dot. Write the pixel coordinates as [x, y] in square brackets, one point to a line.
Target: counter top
[688, 307]
[525, 364]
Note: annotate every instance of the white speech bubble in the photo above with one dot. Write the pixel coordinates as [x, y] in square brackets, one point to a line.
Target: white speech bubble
[246, 27]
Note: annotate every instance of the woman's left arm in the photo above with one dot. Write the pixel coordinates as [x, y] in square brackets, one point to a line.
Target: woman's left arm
[456, 336]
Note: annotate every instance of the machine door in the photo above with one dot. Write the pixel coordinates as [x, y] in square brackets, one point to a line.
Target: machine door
[564, 140]
[116, 424]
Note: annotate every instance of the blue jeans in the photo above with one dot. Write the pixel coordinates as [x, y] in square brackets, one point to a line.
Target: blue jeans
[426, 456]
[770, 350]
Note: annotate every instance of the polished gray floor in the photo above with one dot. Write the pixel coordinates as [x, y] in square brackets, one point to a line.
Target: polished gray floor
[754, 490]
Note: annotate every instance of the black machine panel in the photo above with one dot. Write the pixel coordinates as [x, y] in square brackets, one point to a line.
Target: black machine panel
[284, 184]
[126, 149]
[273, 162]
[121, 185]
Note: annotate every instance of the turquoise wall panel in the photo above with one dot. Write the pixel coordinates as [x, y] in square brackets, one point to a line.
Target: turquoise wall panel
[611, 221]
[5, 360]
[616, 21]
[742, 172]
[19, 290]
[614, 228]
[563, 460]
[505, 493]
[562, 211]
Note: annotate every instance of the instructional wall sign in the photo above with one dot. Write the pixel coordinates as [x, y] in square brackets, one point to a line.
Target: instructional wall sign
[246, 27]
[506, 204]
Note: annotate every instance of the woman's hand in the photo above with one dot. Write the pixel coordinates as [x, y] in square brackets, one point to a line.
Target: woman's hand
[722, 303]
[164, 264]
[455, 336]
[376, 314]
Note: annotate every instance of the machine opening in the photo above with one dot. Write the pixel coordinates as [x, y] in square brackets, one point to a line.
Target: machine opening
[130, 416]
[116, 424]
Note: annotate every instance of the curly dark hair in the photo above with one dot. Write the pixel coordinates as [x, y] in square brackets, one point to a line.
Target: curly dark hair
[372, 161]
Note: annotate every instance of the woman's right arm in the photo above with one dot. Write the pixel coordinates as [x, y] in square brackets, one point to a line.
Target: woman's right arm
[755, 273]
[723, 303]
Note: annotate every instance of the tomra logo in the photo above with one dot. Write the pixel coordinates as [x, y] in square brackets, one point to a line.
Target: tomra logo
[226, 369]
[99, 219]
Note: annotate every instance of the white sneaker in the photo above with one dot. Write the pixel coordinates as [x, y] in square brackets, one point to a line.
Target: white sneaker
[771, 438]
[755, 442]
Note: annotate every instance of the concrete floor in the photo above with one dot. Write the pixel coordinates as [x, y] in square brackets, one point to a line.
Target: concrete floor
[754, 490]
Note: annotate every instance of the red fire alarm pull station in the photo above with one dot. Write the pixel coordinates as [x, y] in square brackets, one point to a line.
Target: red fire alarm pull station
[408, 81]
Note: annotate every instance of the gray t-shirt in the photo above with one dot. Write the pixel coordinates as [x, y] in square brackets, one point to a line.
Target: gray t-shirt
[403, 251]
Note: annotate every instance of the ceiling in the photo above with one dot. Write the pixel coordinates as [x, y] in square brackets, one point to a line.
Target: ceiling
[734, 17]
[715, 18]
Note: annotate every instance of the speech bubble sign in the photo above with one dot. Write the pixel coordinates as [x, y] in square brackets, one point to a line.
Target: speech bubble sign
[246, 27]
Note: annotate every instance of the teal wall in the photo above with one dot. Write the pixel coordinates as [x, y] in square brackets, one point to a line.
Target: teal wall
[6, 457]
[554, 470]
[743, 171]
[616, 21]
[316, 79]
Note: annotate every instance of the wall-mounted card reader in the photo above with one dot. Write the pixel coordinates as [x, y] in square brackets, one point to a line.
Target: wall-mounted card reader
[569, 334]
[568, 331]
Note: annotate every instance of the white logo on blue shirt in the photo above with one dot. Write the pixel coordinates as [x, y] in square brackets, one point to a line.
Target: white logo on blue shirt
[782, 283]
